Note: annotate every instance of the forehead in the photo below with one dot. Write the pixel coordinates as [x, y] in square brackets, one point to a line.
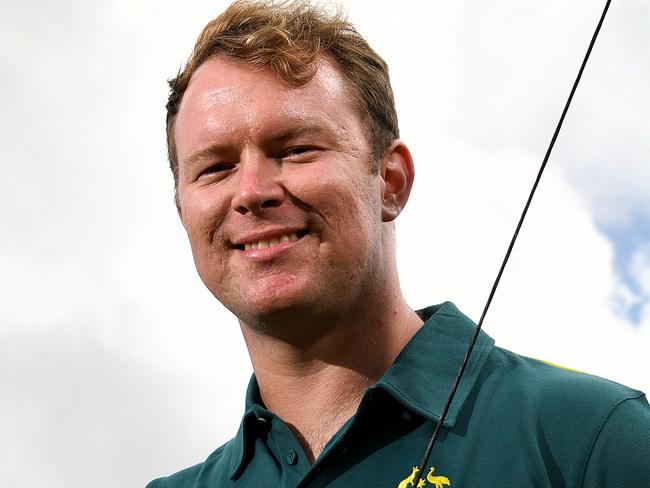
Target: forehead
[226, 96]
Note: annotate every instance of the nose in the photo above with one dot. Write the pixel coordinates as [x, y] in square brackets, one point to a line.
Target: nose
[258, 185]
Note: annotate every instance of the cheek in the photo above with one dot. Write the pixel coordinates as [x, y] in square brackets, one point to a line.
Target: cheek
[347, 200]
[202, 214]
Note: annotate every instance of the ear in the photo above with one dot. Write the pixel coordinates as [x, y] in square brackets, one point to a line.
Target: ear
[397, 174]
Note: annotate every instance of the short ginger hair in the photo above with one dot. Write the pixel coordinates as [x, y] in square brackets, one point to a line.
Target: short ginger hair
[289, 37]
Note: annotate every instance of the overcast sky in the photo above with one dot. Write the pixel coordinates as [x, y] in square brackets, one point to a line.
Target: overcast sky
[117, 366]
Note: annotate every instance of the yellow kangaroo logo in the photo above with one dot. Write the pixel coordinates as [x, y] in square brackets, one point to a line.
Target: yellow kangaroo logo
[410, 480]
[437, 481]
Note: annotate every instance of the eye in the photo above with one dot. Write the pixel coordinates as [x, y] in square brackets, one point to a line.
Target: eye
[298, 152]
[217, 168]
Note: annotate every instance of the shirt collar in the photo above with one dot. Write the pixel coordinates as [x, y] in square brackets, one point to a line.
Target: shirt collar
[253, 415]
[422, 375]
[420, 378]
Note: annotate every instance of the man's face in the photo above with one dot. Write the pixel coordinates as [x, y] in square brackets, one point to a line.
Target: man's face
[282, 212]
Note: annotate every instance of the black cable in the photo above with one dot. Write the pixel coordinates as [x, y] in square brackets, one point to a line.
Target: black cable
[454, 387]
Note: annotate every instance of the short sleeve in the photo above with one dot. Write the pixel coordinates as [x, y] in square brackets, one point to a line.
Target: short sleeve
[620, 456]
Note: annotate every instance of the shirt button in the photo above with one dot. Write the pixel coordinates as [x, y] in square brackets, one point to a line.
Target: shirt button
[292, 457]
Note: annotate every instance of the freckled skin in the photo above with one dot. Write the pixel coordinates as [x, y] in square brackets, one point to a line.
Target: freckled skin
[253, 181]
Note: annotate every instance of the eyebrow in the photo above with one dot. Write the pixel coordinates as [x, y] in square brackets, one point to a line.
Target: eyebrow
[293, 132]
[302, 130]
[196, 157]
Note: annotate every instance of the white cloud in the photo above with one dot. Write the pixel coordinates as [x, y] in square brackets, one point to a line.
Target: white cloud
[640, 268]
[111, 348]
[84, 410]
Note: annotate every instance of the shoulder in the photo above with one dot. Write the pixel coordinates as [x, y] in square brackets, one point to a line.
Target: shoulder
[218, 464]
[552, 386]
[184, 478]
[595, 431]
[618, 456]
[567, 407]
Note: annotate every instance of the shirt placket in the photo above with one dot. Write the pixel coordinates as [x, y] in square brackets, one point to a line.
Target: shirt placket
[288, 452]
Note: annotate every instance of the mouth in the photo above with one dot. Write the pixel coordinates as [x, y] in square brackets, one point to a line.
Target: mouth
[271, 241]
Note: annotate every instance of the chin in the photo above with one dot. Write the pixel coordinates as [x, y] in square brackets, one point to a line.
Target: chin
[272, 303]
[277, 309]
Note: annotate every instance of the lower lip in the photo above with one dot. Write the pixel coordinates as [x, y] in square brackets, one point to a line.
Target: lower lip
[270, 253]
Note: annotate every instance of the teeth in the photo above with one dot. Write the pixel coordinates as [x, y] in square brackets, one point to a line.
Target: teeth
[253, 246]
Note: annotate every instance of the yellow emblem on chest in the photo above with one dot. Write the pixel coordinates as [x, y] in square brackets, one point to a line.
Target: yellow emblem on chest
[437, 481]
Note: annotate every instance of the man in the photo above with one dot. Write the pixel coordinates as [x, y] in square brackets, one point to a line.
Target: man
[289, 173]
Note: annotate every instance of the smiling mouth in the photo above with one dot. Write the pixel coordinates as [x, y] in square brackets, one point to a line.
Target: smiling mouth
[266, 243]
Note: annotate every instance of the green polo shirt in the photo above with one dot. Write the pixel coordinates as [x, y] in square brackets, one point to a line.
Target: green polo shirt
[515, 422]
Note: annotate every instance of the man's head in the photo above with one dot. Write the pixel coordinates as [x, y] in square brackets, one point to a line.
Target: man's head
[289, 38]
[286, 204]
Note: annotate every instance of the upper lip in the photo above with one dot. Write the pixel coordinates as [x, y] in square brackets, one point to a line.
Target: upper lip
[266, 234]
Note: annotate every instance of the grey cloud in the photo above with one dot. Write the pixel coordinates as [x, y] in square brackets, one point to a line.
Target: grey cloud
[78, 413]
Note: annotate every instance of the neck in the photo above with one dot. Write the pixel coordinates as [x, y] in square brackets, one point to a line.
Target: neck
[316, 387]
